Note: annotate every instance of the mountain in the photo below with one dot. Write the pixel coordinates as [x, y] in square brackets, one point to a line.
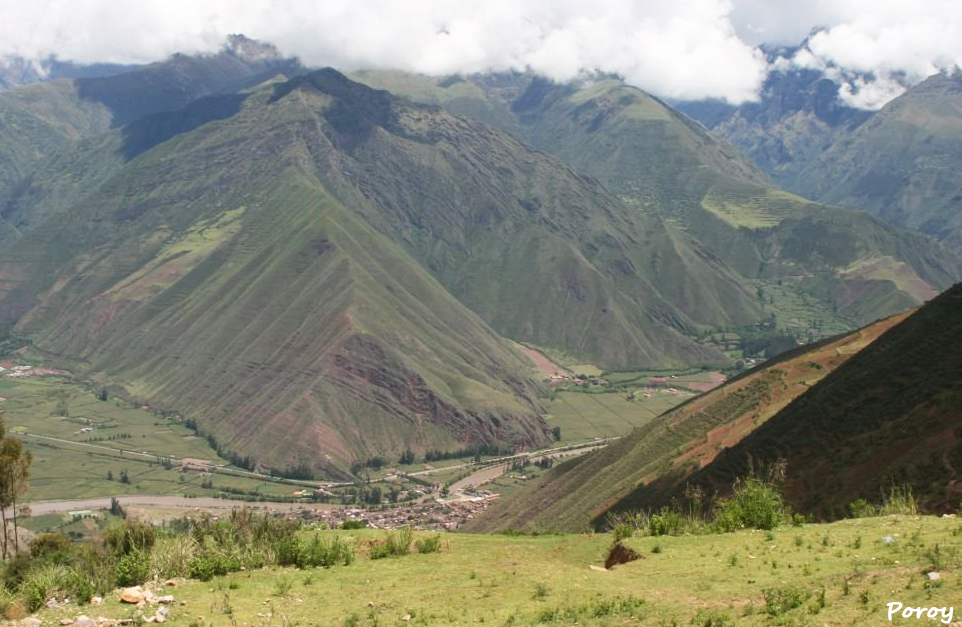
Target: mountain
[903, 164]
[891, 415]
[798, 116]
[651, 465]
[846, 267]
[314, 268]
[39, 119]
[18, 72]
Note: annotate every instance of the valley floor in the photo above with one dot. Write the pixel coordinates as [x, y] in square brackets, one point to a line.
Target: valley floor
[843, 573]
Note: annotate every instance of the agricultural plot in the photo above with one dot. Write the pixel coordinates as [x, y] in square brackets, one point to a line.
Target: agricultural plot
[83, 446]
[583, 417]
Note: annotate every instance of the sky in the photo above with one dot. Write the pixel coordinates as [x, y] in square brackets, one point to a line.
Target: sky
[684, 49]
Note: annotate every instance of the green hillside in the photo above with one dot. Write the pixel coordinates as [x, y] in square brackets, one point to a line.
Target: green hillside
[38, 120]
[637, 471]
[889, 416]
[257, 261]
[902, 164]
[662, 163]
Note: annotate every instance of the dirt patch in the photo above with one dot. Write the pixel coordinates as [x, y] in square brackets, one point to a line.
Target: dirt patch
[542, 363]
[620, 554]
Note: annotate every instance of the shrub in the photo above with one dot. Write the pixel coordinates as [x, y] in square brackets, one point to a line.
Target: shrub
[130, 536]
[353, 524]
[861, 508]
[326, 554]
[666, 522]
[394, 544]
[781, 600]
[430, 544]
[48, 543]
[206, 566]
[133, 568]
[755, 504]
[621, 532]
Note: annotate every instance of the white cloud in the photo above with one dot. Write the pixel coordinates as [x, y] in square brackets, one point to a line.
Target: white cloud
[685, 49]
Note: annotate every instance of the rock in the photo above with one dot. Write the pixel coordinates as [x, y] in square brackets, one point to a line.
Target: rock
[66, 621]
[888, 540]
[167, 598]
[598, 568]
[934, 576]
[163, 610]
[370, 603]
[107, 622]
[406, 617]
[133, 595]
[30, 621]
[52, 603]
[96, 600]
[84, 621]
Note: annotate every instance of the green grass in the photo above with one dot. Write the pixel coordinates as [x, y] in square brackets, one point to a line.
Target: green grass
[546, 580]
[77, 467]
[583, 417]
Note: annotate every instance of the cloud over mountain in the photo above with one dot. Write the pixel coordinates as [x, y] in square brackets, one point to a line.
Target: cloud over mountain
[688, 49]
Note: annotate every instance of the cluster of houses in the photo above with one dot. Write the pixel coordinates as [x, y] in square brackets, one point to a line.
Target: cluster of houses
[429, 515]
[17, 371]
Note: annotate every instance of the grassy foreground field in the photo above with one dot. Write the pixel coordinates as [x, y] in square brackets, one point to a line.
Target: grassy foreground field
[839, 574]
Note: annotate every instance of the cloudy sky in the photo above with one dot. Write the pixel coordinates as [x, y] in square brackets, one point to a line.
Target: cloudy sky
[685, 49]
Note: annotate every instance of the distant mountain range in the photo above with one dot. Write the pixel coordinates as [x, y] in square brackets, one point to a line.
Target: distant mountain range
[852, 416]
[901, 163]
[318, 271]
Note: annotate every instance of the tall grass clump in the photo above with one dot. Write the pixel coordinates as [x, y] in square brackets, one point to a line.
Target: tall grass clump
[900, 500]
[394, 544]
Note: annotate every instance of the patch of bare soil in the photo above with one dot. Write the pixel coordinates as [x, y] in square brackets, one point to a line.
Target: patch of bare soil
[620, 554]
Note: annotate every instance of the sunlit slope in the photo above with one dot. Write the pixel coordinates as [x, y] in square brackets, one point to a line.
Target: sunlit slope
[660, 162]
[638, 470]
[889, 416]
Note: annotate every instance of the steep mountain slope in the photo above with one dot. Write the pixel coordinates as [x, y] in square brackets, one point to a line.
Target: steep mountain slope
[797, 117]
[214, 274]
[38, 119]
[892, 414]
[639, 470]
[903, 165]
[662, 163]
[257, 260]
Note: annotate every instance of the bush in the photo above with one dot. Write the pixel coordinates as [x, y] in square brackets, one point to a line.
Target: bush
[48, 543]
[666, 522]
[40, 585]
[862, 509]
[206, 566]
[394, 544]
[353, 524]
[781, 600]
[755, 504]
[325, 554]
[430, 544]
[133, 568]
[130, 536]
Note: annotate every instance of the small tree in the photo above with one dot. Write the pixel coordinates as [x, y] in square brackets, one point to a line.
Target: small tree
[14, 470]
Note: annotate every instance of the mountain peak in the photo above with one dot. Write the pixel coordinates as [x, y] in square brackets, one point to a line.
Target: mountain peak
[247, 49]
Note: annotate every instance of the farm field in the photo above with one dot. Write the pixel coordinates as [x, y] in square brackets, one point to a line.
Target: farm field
[833, 575]
[586, 416]
[76, 464]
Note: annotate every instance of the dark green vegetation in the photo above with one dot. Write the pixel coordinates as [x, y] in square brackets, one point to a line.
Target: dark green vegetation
[849, 268]
[889, 416]
[860, 413]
